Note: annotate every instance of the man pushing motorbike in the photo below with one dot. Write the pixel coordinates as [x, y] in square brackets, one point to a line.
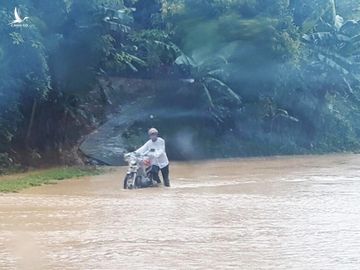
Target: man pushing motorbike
[155, 149]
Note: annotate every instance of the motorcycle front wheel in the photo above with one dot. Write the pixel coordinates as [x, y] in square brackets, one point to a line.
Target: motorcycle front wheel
[129, 177]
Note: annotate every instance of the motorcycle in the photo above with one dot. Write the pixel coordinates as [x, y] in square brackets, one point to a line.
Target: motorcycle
[139, 172]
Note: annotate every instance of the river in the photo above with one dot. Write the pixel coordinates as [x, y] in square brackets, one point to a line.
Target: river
[276, 213]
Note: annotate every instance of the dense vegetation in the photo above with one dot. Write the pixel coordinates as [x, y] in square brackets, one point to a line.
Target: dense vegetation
[281, 75]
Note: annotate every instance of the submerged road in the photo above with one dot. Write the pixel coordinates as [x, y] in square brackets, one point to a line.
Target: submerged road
[278, 213]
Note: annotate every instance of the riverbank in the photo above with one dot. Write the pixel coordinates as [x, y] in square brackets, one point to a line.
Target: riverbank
[18, 182]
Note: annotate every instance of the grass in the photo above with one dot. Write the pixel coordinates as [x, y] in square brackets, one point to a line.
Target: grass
[13, 184]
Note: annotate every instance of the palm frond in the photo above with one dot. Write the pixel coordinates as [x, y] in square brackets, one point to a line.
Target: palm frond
[208, 95]
[315, 17]
[185, 60]
[229, 91]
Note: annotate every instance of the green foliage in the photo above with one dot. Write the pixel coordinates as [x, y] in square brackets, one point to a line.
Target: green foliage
[271, 67]
[205, 75]
[335, 56]
[24, 73]
[349, 9]
[156, 47]
[5, 162]
[50, 65]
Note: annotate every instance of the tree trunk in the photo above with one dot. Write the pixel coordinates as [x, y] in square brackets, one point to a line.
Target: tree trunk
[333, 11]
[31, 123]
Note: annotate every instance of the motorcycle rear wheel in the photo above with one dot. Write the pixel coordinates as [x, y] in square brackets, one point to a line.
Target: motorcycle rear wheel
[138, 182]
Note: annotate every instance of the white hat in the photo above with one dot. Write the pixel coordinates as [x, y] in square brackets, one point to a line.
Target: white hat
[153, 131]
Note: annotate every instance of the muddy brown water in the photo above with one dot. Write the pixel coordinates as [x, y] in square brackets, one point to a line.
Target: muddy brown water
[278, 213]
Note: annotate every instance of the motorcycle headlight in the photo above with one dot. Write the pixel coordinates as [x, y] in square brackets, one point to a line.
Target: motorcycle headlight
[133, 163]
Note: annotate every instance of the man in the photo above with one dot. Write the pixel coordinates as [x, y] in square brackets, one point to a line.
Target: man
[155, 148]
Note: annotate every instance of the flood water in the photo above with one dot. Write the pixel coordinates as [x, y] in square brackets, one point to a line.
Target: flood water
[278, 213]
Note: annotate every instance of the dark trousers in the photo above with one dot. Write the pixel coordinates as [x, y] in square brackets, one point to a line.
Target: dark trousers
[165, 174]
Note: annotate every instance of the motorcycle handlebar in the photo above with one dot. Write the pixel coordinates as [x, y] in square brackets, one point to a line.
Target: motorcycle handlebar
[137, 155]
